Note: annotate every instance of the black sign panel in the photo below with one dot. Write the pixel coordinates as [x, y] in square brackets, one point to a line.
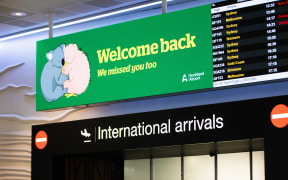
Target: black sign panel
[209, 123]
[249, 41]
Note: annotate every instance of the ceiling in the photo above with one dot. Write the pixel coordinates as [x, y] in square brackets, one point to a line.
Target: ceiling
[63, 10]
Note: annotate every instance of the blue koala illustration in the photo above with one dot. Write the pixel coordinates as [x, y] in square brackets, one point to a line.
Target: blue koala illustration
[52, 78]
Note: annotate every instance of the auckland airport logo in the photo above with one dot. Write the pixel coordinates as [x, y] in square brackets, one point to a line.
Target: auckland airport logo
[279, 116]
[66, 73]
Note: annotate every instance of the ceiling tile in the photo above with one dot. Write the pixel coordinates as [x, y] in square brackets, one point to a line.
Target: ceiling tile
[21, 23]
[7, 11]
[61, 13]
[5, 19]
[39, 18]
[8, 29]
[13, 3]
[128, 1]
[28, 5]
[82, 1]
[37, 8]
[82, 8]
[104, 4]
[59, 3]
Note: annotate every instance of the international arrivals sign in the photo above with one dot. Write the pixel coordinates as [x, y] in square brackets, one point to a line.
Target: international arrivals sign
[159, 55]
[107, 136]
[258, 118]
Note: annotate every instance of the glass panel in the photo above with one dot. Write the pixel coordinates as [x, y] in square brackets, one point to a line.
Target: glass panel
[258, 165]
[234, 166]
[167, 168]
[199, 168]
[137, 169]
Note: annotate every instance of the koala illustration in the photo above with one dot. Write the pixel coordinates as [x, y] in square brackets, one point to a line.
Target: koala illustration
[52, 78]
[77, 68]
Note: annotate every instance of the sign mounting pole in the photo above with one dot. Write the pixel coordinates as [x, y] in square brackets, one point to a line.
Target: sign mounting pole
[50, 19]
[164, 6]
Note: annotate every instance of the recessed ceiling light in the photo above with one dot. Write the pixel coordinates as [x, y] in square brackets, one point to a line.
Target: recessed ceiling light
[19, 14]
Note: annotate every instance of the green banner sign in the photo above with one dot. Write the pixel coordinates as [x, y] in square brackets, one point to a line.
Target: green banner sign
[159, 55]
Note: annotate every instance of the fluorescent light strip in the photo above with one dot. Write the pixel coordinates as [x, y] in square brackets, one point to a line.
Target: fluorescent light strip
[24, 34]
[82, 20]
[107, 14]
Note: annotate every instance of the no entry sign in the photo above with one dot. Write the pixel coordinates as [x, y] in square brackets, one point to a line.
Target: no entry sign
[279, 116]
[41, 139]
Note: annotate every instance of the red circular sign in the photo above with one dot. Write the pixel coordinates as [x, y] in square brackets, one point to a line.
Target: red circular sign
[41, 139]
[279, 116]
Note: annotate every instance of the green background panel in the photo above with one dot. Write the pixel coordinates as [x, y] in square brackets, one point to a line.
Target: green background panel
[166, 78]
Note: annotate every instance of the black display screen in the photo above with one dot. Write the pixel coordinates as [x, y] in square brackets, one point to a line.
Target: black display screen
[249, 41]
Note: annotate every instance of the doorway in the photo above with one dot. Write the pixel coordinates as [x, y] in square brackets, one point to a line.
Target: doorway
[88, 168]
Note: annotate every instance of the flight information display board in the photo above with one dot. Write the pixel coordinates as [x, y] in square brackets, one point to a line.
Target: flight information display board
[249, 41]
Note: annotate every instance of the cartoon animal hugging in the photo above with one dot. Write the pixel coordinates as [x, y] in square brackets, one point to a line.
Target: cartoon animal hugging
[77, 68]
[52, 78]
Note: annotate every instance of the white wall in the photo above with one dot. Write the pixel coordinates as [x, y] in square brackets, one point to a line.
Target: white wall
[17, 108]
